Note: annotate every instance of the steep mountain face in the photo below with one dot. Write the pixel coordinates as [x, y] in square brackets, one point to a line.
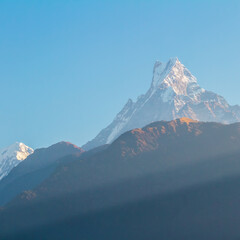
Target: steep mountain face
[150, 167]
[174, 93]
[11, 156]
[37, 167]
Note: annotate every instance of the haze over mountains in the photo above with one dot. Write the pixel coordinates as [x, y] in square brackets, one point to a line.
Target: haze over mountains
[174, 93]
[132, 184]
[156, 172]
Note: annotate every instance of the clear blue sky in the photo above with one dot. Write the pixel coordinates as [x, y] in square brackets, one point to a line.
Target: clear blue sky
[68, 67]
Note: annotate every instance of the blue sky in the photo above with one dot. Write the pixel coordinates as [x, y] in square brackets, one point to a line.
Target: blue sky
[68, 67]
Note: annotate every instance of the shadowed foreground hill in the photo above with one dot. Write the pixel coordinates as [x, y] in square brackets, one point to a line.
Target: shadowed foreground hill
[208, 211]
[168, 180]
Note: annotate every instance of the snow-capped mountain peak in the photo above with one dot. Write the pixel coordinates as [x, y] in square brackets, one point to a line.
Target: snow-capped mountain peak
[174, 93]
[173, 75]
[11, 156]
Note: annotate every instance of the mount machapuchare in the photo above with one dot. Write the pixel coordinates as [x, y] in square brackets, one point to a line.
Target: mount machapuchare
[174, 93]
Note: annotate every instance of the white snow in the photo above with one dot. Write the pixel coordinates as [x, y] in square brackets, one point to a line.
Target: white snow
[11, 156]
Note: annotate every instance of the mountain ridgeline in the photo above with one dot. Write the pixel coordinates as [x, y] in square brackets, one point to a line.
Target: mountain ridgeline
[174, 93]
[167, 180]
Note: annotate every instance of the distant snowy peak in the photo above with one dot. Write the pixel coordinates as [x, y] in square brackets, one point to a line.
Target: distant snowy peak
[174, 93]
[18, 150]
[11, 156]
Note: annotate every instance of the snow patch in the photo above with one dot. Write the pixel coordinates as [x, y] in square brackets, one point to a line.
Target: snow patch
[11, 156]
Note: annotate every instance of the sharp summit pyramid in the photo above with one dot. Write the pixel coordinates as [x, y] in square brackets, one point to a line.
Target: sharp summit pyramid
[174, 93]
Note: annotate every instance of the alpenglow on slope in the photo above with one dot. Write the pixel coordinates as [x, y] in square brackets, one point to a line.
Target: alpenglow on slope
[174, 93]
[11, 156]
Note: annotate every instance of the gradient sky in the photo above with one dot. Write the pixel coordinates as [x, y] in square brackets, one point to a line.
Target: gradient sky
[68, 67]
